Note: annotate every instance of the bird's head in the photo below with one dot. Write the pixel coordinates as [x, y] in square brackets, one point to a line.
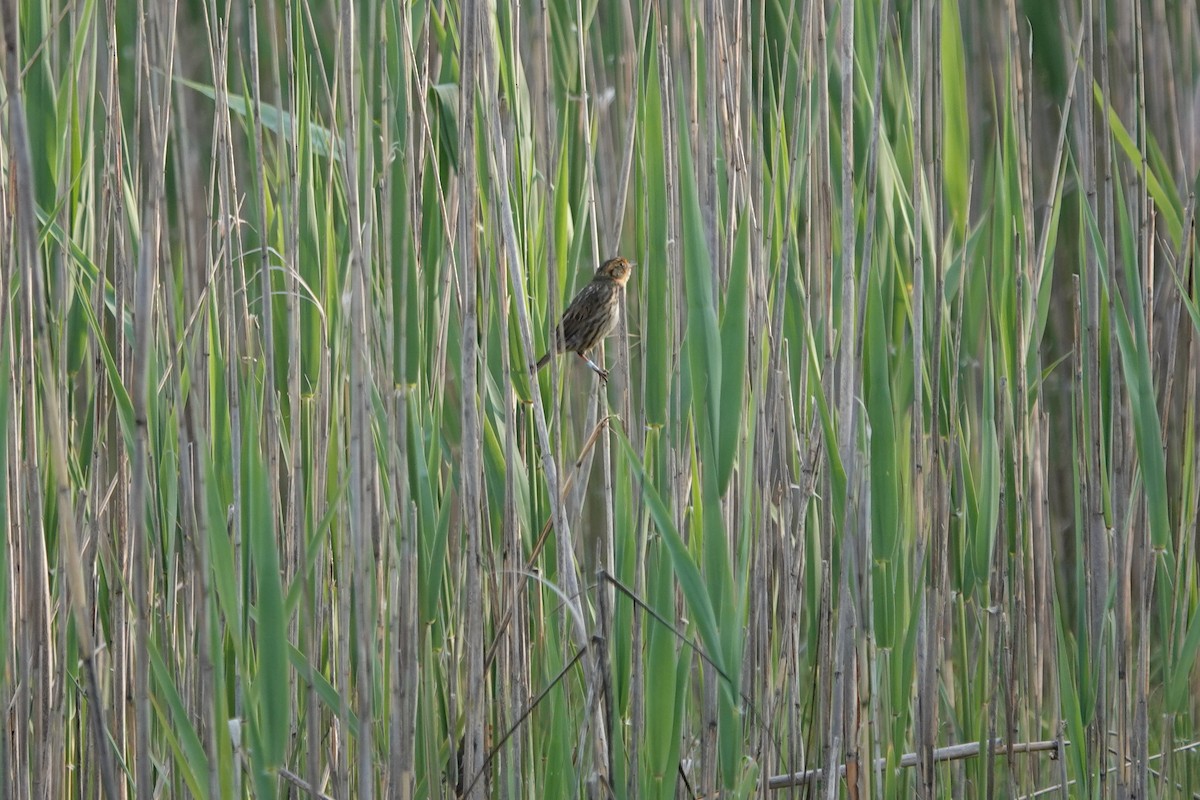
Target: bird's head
[616, 270]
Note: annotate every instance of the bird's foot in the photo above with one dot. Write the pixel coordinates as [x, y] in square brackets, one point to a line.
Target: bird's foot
[596, 368]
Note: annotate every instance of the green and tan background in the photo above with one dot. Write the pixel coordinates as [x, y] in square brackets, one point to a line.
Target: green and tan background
[893, 490]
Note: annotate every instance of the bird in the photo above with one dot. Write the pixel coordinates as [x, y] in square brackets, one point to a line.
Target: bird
[592, 315]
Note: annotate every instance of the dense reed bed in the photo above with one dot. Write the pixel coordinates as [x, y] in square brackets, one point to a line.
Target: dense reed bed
[891, 492]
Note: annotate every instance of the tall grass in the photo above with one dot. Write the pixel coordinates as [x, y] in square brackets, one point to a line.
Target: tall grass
[892, 490]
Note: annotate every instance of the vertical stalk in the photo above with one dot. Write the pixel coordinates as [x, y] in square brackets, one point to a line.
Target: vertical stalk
[470, 466]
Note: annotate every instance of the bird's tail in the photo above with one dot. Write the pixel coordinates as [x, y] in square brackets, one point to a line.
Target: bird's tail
[543, 361]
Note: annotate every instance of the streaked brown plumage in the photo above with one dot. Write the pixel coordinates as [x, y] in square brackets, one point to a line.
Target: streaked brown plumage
[592, 315]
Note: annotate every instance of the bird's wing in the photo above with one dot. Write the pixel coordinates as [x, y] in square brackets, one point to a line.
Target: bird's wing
[581, 308]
